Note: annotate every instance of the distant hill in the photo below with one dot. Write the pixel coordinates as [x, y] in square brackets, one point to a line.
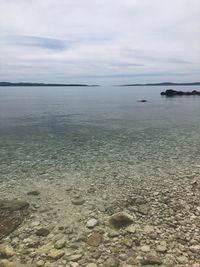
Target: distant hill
[161, 84]
[40, 84]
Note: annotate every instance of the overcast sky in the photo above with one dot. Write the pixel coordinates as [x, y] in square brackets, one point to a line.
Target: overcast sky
[100, 41]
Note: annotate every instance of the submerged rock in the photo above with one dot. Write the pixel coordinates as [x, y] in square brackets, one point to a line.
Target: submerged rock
[78, 201]
[91, 223]
[33, 193]
[42, 232]
[94, 239]
[121, 219]
[6, 252]
[12, 214]
[112, 262]
[55, 254]
[151, 260]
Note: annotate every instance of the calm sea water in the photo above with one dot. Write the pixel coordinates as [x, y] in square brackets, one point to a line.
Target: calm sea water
[93, 129]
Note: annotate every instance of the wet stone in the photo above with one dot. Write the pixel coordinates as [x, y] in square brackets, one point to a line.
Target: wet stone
[143, 209]
[91, 265]
[6, 252]
[42, 232]
[75, 257]
[33, 193]
[78, 201]
[12, 214]
[40, 263]
[112, 262]
[120, 220]
[91, 223]
[182, 259]
[60, 244]
[161, 249]
[94, 239]
[55, 254]
[151, 260]
[145, 248]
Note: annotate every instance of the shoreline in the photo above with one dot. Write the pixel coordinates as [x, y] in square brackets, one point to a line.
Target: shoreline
[165, 228]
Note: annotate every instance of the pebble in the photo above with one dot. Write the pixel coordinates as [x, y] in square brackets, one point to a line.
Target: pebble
[161, 248]
[94, 239]
[75, 257]
[123, 256]
[42, 232]
[60, 244]
[78, 201]
[6, 252]
[195, 248]
[182, 259]
[40, 263]
[55, 254]
[91, 265]
[151, 260]
[112, 262]
[91, 223]
[131, 229]
[145, 248]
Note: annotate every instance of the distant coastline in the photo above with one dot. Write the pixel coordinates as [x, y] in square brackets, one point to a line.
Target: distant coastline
[162, 84]
[41, 84]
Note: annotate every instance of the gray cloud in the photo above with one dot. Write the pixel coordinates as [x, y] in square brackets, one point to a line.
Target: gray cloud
[99, 41]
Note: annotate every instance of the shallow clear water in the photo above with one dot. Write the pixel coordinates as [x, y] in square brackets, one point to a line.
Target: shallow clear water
[97, 130]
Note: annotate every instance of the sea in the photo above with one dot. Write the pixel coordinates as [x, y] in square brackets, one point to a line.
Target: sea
[96, 130]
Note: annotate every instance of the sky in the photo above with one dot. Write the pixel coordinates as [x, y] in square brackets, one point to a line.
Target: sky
[100, 41]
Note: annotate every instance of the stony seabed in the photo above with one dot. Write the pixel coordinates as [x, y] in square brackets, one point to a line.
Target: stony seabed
[112, 222]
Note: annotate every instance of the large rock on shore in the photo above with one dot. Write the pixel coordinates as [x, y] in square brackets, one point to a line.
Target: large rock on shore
[12, 214]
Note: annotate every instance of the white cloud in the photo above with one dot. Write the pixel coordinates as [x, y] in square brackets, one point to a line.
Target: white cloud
[70, 40]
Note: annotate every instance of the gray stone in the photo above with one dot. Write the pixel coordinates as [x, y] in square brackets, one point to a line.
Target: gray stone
[6, 252]
[40, 263]
[92, 223]
[60, 243]
[145, 248]
[55, 254]
[112, 262]
[75, 257]
[161, 249]
[42, 232]
[143, 209]
[151, 260]
[182, 259]
[91, 265]
[78, 201]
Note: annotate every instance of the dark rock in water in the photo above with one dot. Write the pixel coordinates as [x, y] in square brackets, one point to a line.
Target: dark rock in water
[120, 219]
[142, 101]
[171, 92]
[33, 193]
[12, 214]
[42, 232]
[151, 260]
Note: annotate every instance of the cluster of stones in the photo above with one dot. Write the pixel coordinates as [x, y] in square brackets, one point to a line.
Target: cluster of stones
[142, 227]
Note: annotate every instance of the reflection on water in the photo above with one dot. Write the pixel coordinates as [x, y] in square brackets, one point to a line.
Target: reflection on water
[66, 128]
[81, 155]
